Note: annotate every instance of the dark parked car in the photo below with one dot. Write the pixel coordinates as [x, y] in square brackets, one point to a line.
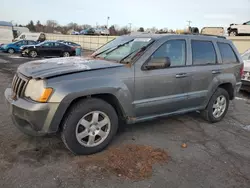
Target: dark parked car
[48, 48]
[69, 43]
[132, 78]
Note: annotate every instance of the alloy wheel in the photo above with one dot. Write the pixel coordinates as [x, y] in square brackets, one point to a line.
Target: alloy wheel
[93, 128]
[219, 106]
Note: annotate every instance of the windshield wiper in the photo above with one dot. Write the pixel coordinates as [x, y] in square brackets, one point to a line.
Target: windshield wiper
[102, 52]
[139, 50]
[112, 48]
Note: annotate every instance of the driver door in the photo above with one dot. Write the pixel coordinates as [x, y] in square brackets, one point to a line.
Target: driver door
[46, 49]
[163, 90]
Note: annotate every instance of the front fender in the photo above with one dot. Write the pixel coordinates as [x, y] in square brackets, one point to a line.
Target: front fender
[66, 93]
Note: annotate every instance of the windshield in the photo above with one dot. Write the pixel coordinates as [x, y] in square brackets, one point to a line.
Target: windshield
[246, 56]
[40, 44]
[113, 43]
[123, 49]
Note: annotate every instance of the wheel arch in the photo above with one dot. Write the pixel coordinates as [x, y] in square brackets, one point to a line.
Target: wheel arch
[65, 108]
[228, 86]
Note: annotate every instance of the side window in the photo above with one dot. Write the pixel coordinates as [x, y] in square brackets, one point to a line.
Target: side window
[48, 44]
[227, 53]
[19, 43]
[31, 42]
[57, 44]
[23, 42]
[203, 53]
[175, 50]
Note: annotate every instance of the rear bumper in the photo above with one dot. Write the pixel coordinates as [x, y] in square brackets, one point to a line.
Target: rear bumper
[30, 115]
[25, 52]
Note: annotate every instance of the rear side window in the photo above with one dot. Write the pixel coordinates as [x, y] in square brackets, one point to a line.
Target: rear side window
[203, 53]
[58, 44]
[227, 53]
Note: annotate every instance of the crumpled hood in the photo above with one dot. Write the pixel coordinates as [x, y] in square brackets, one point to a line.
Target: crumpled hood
[59, 66]
[247, 65]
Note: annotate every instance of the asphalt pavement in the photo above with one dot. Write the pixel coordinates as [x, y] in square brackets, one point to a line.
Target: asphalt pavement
[214, 155]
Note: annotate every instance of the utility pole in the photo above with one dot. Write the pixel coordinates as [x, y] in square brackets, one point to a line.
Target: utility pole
[189, 23]
[130, 27]
[108, 22]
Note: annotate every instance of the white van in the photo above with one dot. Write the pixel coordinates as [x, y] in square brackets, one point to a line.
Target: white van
[32, 36]
[19, 30]
[6, 35]
[6, 32]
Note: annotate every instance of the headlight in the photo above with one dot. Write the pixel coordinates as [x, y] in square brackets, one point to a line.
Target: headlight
[36, 91]
[21, 47]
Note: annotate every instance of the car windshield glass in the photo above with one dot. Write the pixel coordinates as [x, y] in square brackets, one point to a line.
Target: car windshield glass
[246, 56]
[42, 43]
[113, 43]
[123, 50]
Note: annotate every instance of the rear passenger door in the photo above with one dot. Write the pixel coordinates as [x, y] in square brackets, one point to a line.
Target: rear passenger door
[202, 70]
[58, 49]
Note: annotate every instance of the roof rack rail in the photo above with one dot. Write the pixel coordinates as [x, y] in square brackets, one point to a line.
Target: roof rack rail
[218, 36]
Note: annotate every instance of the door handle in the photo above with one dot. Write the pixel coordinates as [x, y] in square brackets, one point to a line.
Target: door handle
[216, 71]
[181, 75]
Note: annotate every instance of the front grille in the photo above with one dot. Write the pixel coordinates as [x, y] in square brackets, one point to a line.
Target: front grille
[18, 85]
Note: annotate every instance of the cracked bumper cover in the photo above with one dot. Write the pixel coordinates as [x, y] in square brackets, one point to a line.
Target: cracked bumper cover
[245, 85]
[27, 113]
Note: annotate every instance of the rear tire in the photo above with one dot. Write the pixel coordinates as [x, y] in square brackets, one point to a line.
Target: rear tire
[233, 33]
[80, 120]
[66, 54]
[215, 111]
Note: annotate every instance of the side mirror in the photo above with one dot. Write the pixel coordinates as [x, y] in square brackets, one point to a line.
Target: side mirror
[158, 63]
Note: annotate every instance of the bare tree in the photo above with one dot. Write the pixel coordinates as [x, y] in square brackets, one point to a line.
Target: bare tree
[50, 26]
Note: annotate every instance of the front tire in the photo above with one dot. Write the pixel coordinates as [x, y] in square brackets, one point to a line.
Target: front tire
[89, 126]
[11, 51]
[217, 106]
[33, 54]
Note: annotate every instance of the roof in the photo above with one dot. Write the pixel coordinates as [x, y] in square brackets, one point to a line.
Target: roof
[4, 23]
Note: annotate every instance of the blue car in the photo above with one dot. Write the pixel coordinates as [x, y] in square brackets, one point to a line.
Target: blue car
[14, 47]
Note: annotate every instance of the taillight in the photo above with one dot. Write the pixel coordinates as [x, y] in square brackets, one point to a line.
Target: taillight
[242, 70]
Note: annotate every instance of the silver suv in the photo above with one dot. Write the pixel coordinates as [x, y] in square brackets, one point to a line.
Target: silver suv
[132, 79]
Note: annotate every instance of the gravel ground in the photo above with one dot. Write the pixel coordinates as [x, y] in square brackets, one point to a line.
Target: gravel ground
[216, 155]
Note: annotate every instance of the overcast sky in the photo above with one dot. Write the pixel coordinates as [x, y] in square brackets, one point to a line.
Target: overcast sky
[146, 13]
